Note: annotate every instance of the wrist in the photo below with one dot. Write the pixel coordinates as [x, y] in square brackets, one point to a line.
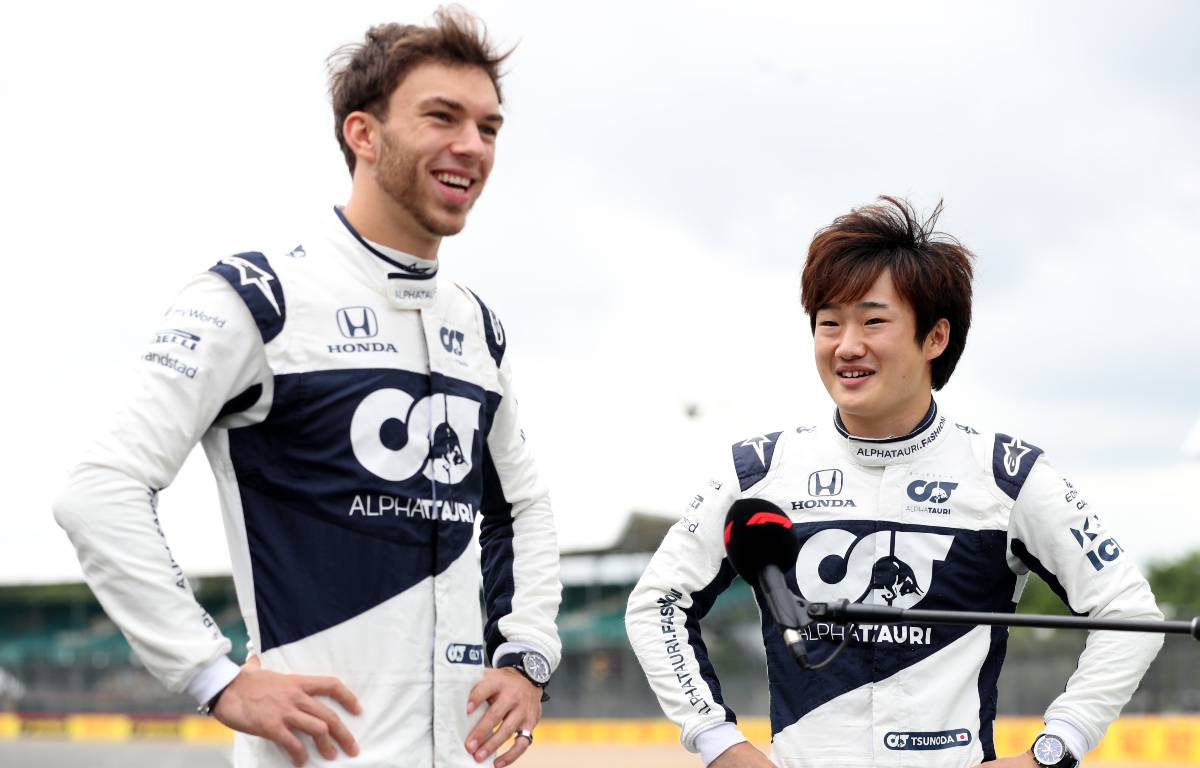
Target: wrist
[531, 665]
[208, 707]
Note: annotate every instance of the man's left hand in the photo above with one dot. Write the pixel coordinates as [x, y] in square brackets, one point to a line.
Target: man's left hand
[514, 704]
[1023, 760]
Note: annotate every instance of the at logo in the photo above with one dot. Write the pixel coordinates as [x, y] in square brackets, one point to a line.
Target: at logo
[440, 437]
[923, 740]
[357, 322]
[935, 492]
[452, 341]
[825, 482]
[894, 567]
[461, 653]
[1107, 551]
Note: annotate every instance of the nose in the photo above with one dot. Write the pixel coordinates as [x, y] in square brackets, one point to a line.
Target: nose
[850, 343]
[469, 141]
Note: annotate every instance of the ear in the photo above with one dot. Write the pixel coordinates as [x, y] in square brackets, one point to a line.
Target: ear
[937, 339]
[361, 132]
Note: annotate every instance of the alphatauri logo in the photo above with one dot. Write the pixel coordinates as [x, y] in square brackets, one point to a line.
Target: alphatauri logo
[892, 567]
[438, 438]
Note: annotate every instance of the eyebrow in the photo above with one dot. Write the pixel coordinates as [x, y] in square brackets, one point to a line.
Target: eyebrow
[456, 106]
[859, 305]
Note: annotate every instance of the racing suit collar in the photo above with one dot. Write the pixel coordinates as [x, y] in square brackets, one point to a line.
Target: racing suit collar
[881, 452]
[409, 282]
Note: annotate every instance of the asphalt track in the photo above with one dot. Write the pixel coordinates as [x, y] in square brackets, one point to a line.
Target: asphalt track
[31, 753]
[58, 754]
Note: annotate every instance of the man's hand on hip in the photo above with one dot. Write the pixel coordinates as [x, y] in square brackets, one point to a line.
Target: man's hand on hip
[742, 755]
[514, 705]
[273, 705]
[1023, 760]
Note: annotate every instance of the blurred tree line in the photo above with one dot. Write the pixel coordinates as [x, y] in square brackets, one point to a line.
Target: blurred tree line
[1176, 585]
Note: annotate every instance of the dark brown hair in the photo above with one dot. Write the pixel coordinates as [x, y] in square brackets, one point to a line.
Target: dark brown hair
[362, 76]
[931, 270]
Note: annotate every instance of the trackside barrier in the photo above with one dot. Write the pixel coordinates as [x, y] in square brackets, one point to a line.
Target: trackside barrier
[1140, 739]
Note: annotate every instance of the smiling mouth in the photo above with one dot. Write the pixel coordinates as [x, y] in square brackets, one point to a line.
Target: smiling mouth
[855, 374]
[454, 181]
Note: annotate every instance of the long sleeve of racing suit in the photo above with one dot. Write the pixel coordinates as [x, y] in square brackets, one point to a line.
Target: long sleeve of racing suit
[518, 542]
[685, 576]
[1056, 533]
[210, 352]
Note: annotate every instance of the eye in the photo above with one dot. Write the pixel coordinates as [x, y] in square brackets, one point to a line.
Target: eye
[827, 323]
[876, 320]
[490, 131]
[441, 117]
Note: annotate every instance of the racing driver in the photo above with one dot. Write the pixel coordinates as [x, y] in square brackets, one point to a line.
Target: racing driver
[359, 418]
[893, 502]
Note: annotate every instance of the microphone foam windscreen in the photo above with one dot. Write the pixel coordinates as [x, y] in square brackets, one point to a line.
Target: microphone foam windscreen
[758, 534]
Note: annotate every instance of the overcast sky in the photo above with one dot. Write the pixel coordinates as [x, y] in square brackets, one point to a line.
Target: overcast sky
[661, 171]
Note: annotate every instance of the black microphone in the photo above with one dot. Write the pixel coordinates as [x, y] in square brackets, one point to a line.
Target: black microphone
[760, 545]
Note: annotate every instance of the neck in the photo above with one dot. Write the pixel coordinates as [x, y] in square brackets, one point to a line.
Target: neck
[895, 424]
[381, 220]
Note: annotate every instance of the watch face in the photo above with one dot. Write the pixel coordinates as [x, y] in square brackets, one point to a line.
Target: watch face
[536, 667]
[1048, 750]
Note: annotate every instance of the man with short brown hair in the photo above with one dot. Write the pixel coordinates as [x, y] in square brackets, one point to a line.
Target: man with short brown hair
[892, 502]
[359, 416]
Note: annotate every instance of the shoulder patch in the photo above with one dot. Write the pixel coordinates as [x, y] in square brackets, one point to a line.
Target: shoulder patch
[1012, 459]
[492, 330]
[251, 276]
[752, 458]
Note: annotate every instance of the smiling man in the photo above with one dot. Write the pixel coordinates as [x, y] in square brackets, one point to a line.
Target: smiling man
[892, 502]
[359, 418]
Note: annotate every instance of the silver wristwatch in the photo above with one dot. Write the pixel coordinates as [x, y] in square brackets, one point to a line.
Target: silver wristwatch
[1049, 751]
[532, 664]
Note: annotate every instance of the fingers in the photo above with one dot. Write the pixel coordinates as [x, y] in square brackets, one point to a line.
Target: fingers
[336, 728]
[333, 688]
[315, 727]
[483, 691]
[484, 729]
[290, 744]
[507, 728]
[520, 744]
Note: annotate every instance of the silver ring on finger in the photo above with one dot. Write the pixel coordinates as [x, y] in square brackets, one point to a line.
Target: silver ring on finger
[526, 734]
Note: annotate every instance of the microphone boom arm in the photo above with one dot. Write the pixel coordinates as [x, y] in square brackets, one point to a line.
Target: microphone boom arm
[845, 612]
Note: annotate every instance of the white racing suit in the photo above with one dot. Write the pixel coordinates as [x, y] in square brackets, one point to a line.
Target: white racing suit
[358, 418]
[946, 518]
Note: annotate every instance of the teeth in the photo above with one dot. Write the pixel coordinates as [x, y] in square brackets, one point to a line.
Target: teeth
[854, 374]
[452, 180]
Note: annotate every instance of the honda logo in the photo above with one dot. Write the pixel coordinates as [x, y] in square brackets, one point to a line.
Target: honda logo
[357, 322]
[825, 482]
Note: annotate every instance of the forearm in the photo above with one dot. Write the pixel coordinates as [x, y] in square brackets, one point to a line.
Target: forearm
[112, 521]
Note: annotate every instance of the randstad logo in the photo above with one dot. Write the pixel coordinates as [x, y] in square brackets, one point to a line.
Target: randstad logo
[357, 322]
[825, 482]
[935, 492]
